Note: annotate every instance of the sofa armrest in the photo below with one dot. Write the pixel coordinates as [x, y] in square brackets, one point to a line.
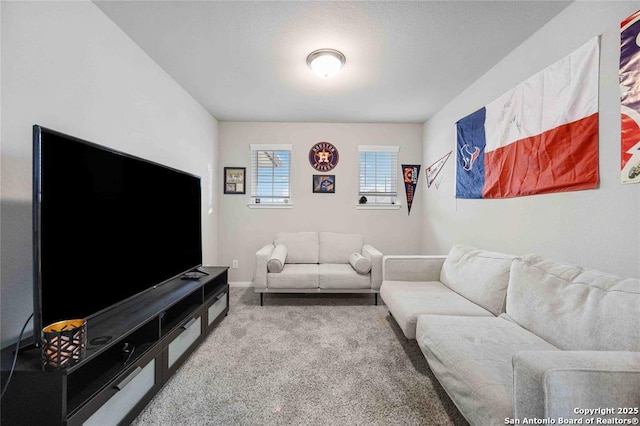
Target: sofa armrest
[554, 384]
[412, 268]
[375, 257]
[262, 257]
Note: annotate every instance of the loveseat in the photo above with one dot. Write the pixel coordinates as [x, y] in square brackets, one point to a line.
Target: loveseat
[521, 339]
[312, 262]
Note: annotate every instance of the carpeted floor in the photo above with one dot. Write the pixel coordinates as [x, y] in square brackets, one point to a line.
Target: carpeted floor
[303, 360]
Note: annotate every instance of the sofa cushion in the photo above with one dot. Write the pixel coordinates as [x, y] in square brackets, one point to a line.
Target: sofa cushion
[337, 275]
[277, 258]
[302, 247]
[479, 275]
[295, 276]
[361, 264]
[472, 359]
[336, 248]
[407, 300]
[575, 308]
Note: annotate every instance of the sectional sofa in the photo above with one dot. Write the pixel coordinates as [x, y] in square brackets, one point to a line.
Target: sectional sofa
[521, 339]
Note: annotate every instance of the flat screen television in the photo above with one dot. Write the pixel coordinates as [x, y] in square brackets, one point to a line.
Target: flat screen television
[107, 226]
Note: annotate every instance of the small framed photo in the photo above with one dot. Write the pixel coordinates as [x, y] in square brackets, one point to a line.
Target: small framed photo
[324, 184]
[234, 180]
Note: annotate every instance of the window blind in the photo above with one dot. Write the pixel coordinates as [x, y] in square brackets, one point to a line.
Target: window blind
[270, 174]
[378, 177]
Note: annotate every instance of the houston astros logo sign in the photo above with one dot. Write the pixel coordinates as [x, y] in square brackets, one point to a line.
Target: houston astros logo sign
[323, 156]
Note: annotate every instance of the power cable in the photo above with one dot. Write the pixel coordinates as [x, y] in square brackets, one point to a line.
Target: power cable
[15, 356]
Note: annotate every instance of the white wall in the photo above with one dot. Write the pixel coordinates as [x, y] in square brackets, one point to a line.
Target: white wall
[594, 228]
[68, 67]
[243, 230]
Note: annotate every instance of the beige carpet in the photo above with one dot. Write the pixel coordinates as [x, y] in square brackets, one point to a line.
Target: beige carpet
[303, 360]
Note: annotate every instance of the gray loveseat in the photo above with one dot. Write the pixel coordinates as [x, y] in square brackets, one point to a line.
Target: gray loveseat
[517, 340]
[312, 262]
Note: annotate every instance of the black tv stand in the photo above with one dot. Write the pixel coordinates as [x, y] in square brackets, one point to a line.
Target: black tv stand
[110, 385]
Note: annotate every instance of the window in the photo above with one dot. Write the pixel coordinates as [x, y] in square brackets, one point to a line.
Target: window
[270, 175]
[378, 181]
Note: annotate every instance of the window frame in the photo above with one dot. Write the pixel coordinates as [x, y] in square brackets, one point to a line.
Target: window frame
[395, 203]
[286, 202]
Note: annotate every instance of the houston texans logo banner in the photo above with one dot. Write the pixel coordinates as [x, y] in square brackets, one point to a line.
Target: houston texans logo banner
[411, 173]
[630, 98]
[540, 137]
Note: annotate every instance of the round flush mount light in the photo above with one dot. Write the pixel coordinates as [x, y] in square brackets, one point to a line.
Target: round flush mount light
[325, 62]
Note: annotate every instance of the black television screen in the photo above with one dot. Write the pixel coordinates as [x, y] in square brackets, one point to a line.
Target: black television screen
[107, 226]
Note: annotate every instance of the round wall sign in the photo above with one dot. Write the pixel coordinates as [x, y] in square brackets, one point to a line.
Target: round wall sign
[323, 156]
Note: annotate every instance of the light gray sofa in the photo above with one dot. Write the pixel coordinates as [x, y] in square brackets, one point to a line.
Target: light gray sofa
[312, 262]
[514, 338]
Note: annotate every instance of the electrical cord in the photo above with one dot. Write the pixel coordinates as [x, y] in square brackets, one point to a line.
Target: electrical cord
[15, 356]
[128, 350]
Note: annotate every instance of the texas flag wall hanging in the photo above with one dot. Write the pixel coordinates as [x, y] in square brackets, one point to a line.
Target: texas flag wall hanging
[630, 98]
[540, 137]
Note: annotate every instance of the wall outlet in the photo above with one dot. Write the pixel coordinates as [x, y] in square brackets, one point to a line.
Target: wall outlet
[234, 264]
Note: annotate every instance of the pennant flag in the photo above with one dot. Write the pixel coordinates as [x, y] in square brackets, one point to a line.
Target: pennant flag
[411, 174]
[434, 169]
[539, 137]
[630, 99]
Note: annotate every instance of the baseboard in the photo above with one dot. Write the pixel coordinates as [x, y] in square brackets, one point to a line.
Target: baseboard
[240, 283]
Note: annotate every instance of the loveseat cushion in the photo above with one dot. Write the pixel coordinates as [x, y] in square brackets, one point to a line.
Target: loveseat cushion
[407, 300]
[336, 248]
[302, 247]
[574, 308]
[472, 359]
[479, 275]
[340, 276]
[277, 259]
[294, 276]
[361, 264]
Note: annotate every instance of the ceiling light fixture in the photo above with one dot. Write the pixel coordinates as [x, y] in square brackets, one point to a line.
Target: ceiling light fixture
[326, 62]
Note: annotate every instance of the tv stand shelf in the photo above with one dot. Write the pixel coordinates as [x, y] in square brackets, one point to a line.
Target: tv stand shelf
[132, 350]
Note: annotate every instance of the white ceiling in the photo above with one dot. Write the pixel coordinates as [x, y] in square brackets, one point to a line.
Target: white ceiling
[245, 60]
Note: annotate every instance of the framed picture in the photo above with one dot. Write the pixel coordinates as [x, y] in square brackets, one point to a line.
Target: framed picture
[324, 184]
[234, 180]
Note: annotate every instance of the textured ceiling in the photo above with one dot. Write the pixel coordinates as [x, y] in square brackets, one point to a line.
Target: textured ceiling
[245, 61]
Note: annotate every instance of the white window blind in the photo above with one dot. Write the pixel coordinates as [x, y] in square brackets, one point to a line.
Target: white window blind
[270, 174]
[378, 180]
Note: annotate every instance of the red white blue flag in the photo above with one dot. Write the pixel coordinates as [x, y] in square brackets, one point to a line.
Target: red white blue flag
[630, 98]
[540, 137]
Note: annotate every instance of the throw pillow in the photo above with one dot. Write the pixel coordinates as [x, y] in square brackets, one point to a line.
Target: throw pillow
[277, 258]
[361, 264]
